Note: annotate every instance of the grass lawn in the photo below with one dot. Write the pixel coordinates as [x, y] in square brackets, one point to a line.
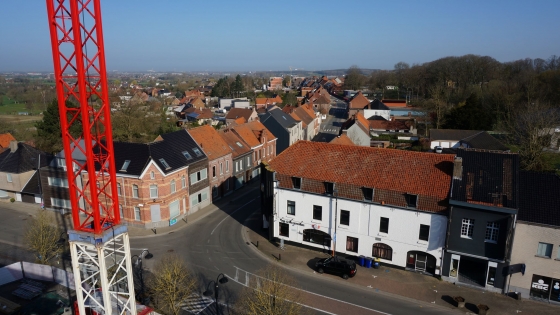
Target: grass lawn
[9, 107]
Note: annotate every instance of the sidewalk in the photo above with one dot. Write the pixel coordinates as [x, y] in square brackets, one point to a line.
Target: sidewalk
[389, 280]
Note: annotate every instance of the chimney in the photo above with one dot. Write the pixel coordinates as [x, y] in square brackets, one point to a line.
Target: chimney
[13, 146]
[458, 168]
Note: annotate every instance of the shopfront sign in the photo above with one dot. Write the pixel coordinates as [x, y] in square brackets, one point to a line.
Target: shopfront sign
[540, 287]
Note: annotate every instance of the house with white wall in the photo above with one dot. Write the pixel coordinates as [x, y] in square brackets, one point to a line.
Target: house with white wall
[354, 200]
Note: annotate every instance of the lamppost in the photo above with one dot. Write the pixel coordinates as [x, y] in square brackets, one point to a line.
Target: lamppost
[209, 292]
[140, 268]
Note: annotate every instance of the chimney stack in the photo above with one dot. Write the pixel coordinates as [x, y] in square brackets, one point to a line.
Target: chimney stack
[458, 168]
[13, 146]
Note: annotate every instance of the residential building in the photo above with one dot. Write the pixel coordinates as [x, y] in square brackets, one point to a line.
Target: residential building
[387, 204]
[220, 164]
[455, 138]
[248, 114]
[5, 139]
[241, 155]
[377, 109]
[357, 103]
[283, 126]
[342, 139]
[262, 143]
[19, 163]
[275, 83]
[227, 103]
[309, 120]
[357, 129]
[483, 207]
[535, 257]
[263, 102]
[379, 125]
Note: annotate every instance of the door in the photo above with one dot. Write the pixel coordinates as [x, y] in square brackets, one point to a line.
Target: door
[155, 213]
[174, 209]
[411, 259]
[421, 262]
[454, 267]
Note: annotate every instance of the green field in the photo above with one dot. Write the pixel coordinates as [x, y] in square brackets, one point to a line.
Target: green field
[9, 107]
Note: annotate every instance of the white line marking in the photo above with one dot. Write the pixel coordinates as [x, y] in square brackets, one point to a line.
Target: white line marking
[230, 214]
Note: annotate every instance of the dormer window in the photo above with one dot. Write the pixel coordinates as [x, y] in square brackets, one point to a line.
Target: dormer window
[187, 155]
[296, 182]
[239, 144]
[164, 163]
[411, 200]
[125, 165]
[368, 193]
[197, 152]
[329, 188]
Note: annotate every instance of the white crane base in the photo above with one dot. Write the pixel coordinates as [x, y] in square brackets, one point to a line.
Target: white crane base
[103, 272]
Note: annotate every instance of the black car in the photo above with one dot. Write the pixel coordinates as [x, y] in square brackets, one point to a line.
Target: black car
[337, 266]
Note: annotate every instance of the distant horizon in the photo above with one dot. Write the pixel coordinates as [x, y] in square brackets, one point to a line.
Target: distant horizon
[242, 36]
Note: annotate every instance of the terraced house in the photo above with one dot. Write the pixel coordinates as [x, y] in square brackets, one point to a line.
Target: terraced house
[387, 204]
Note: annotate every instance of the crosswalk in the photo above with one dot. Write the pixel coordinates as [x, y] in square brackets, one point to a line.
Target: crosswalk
[195, 303]
[330, 130]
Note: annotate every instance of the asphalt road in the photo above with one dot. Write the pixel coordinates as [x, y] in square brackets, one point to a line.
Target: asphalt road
[330, 127]
[215, 245]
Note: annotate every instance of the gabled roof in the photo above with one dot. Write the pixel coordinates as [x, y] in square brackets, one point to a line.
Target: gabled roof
[382, 124]
[359, 101]
[451, 134]
[487, 178]
[474, 138]
[252, 133]
[342, 139]
[285, 120]
[378, 105]
[237, 145]
[5, 139]
[364, 123]
[210, 141]
[400, 172]
[26, 158]
[539, 201]
[235, 113]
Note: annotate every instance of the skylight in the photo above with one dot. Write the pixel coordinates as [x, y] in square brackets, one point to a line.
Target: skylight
[239, 144]
[187, 155]
[125, 165]
[197, 152]
[164, 163]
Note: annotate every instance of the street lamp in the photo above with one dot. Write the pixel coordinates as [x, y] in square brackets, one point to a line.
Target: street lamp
[209, 292]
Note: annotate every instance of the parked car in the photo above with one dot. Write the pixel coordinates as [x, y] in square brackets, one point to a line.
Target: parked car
[438, 149]
[337, 266]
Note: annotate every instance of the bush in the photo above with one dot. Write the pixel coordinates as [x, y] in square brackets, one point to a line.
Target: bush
[12, 200]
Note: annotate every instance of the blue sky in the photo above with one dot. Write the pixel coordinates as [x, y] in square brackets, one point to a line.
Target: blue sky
[242, 35]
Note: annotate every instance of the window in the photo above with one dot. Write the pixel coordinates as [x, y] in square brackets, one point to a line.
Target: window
[317, 213]
[164, 163]
[384, 225]
[119, 191]
[196, 199]
[198, 176]
[467, 228]
[344, 217]
[329, 188]
[284, 229]
[197, 152]
[137, 213]
[9, 178]
[383, 251]
[352, 244]
[227, 166]
[61, 203]
[291, 207]
[492, 229]
[424, 232]
[368, 193]
[134, 191]
[221, 168]
[173, 186]
[317, 237]
[214, 171]
[53, 181]
[183, 182]
[411, 200]
[187, 155]
[296, 181]
[241, 165]
[153, 191]
[544, 250]
[248, 161]
[239, 144]
[152, 175]
[121, 211]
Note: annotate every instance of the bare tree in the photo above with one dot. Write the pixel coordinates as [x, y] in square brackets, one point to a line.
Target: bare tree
[42, 236]
[439, 105]
[170, 284]
[273, 293]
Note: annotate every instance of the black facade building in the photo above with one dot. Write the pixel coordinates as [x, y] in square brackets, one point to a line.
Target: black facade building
[483, 210]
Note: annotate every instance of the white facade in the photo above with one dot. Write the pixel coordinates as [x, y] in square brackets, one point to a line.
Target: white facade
[447, 144]
[364, 224]
[368, 113]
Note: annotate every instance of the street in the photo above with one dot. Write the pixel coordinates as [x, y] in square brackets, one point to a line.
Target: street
[330, 127]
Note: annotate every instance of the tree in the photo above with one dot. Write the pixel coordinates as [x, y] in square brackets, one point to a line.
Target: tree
[237, 86]
[289, 99]
[49, 134]
[170, 284]
[42, 236]
[287, 81]
[271, 293]
[354, 78]
[471, 116]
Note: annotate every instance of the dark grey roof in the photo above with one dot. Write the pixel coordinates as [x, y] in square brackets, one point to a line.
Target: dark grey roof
[377, 104]
[285, 120]
[24, 159]
[483, 140]
[451, 134]
[539, 201]
[137, 153]
[488, 178]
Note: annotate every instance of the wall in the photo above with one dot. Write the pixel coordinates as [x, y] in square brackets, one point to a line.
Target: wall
[217, 182]
[52, 191]
[357, 135]
[525, 244]
[17, 184]
[404, 225]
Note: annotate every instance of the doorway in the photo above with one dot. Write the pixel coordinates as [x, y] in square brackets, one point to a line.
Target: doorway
[421, 262]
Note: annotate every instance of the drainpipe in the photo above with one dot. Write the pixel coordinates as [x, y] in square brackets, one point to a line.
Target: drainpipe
[335, 220]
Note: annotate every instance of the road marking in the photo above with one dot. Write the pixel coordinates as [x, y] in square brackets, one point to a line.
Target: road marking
[230, 214]
[313, 293]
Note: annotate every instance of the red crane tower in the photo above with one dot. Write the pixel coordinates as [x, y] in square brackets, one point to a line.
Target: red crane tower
[99, 244]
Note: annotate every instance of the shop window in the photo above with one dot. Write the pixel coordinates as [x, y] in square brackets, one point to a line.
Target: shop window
[382, 251]
[317, 237]
[352, 244]
[284, 229]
